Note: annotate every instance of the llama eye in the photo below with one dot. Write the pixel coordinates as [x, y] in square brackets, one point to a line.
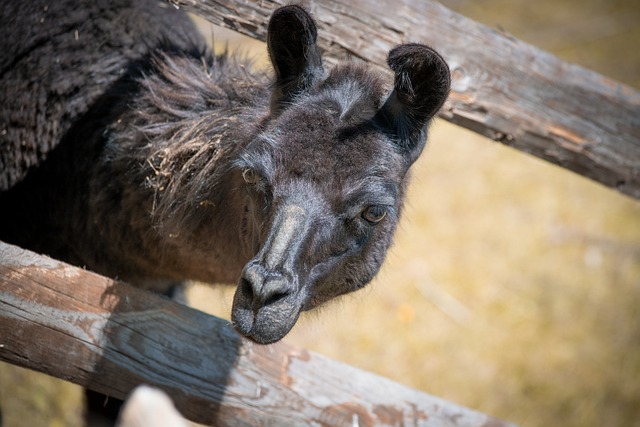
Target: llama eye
[250, 176]
[374, 214]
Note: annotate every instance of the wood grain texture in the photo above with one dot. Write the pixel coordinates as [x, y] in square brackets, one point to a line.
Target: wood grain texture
[502, 88]
[111, 337]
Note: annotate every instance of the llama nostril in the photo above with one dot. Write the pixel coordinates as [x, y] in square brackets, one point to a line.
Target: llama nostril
[246, 289]
[275, 298]
[274, 288]
[261, 287]
[251, 281]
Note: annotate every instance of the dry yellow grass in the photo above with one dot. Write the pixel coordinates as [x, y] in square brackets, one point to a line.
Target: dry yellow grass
[31, 399]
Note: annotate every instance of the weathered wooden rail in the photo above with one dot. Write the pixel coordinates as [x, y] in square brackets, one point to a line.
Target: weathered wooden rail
[502, 88]
[108, 336]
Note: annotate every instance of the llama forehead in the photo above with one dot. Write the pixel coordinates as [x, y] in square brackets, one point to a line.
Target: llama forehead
[331, 127]
[318, 145]
[362, 168]
[355, 90]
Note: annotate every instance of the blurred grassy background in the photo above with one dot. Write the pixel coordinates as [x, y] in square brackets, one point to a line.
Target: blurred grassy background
[513, 285]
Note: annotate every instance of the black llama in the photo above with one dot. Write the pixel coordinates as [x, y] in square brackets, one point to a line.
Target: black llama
[127, 147]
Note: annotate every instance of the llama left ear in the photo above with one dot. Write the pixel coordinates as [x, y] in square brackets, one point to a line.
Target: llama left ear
[291, 42]
[421, 85]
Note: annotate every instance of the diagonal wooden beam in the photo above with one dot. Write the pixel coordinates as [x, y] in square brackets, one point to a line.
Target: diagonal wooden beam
[503, 88]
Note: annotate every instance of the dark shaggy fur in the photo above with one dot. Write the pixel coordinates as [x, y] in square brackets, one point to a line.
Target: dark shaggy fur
[128, 148]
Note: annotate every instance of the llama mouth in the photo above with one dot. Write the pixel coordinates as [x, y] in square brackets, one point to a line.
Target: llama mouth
[266, 324]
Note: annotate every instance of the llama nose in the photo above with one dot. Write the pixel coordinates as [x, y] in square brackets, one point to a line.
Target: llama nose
[265, 287]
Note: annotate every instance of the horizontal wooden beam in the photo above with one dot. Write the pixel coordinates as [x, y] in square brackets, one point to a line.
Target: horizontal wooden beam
[502, 88]
[110, 337]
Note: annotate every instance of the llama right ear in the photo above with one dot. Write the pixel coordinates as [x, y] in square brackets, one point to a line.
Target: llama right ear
[291, 42]
[421, 85]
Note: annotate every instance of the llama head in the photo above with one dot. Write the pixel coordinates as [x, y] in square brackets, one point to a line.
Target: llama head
[326, 172]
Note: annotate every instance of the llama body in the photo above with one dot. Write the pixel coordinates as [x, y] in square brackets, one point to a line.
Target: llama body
[91, 188]
[157, 162]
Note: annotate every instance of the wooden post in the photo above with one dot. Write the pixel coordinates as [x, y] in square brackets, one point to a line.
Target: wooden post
[502, 88]
[110, 337]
